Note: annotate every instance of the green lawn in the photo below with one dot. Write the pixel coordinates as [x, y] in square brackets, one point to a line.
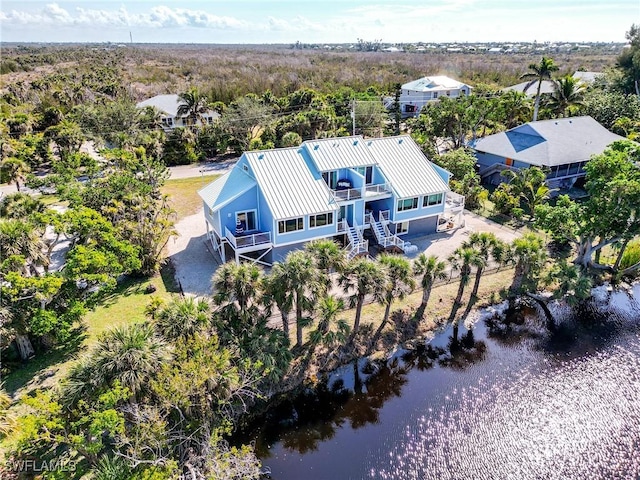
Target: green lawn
[183, 193]
[125, 305]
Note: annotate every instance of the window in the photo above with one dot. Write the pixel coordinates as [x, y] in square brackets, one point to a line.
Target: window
[435, 94]
[402, 228]
[331, 179]
[291, 225]
[321, 220]
[367, 173]
[407, 204]
[432, 200]
[246, 220]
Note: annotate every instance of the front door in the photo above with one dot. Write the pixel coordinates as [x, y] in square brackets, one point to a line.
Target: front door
[346, 213]
[246, 221]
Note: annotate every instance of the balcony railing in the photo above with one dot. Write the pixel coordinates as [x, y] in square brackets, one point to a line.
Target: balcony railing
[380, 189]
[244, 241]
[347, 194]
[383, 216]
[342, 226]
[453, 200]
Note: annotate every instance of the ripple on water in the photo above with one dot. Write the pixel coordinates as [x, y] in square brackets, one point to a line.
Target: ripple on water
[570, 421]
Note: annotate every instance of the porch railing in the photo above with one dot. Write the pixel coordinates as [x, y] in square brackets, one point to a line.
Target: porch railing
[244, 241]
[342, 225]
[383, 216]
[380, 189]
[347, 194]
[453, 200]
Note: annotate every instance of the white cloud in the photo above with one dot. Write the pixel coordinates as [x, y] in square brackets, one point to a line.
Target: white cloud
[159, 17]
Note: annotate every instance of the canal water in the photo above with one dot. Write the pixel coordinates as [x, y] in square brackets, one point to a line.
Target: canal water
[509, 404]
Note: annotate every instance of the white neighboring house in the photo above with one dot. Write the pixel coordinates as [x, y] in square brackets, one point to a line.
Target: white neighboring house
[168, 106]
[530, 88]
[417, 94]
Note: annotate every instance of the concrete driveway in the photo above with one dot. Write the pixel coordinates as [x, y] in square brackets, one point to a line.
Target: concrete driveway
[444, 244]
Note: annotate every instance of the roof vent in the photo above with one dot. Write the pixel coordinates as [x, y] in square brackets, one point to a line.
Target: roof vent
[261, 156]
[316, 147]
[400, 141]
[355, 142]
[336, 144]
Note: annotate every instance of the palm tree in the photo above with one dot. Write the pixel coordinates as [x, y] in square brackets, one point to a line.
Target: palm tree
[462, 259]
[237, 287]
[14, 170]
[529, 255]
[182, 318]
[300, 273]
[130, 354]
[278, 290]
[539, 72]
[515, 108]
[400, 282]
[568, 92]
[529, 184]
[487, 246]
[362, 277]
[329, 309]
[22, 238]
[431, 269]
[192, 104]
[328, 256]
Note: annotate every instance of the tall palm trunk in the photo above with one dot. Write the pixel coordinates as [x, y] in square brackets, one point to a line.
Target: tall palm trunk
[298, 321]
[536, 105]
[285, 323]
[426, 294]
[385, 319]
[356, 321]
[476, 284]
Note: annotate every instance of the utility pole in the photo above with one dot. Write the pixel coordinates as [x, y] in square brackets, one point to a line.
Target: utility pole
[353, 116]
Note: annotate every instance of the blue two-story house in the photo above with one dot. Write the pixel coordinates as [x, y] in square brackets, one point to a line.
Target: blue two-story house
[274, 201]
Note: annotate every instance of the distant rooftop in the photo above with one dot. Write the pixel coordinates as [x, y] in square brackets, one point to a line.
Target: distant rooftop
[436, 82]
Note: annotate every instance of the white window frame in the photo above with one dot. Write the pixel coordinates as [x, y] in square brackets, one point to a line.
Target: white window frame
[255, 217]
[426, 203]
[295, 219]
[417, 202]
[313, 219]
[402, 228]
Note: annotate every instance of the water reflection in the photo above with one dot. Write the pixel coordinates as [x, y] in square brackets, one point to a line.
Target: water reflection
[500, 402]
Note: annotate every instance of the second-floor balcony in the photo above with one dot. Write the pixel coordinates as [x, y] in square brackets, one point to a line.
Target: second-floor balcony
[368, 191]
[453, 201]
[250, 241]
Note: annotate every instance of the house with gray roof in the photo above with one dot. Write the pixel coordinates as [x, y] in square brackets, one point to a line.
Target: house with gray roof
[350, 189]
[530, 88]
[416, 94]
[168, 106]
[561, 146]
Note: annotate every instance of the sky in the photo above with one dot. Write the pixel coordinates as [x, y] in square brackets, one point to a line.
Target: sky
[317, 21]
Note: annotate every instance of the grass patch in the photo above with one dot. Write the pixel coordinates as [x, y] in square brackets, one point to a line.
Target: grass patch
[183, 193]
[123, 306]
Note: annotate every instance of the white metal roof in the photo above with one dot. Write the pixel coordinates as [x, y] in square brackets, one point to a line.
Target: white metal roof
[531, 88]
[226, 188]
[289, 183]
[168, 104]
[342, 152]
[406, 168]
[436, 82]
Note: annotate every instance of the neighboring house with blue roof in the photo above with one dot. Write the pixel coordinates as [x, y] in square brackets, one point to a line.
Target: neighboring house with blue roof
[416, 94]
[561, 146]
[274, 201]
[168, 106]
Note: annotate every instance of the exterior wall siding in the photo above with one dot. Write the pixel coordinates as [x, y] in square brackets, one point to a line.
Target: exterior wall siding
[246, 201]
[422, 226]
